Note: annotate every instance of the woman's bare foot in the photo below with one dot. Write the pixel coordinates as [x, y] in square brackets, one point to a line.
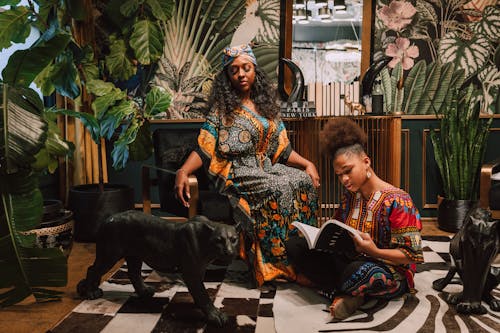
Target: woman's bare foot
[344, 306]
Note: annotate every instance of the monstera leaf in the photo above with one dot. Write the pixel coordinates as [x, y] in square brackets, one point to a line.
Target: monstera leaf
[469, 53]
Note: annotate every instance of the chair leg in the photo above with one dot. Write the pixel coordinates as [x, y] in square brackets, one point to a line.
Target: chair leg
[146, 190]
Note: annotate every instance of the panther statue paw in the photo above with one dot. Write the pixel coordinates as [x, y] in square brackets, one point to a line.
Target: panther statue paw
[146, 292]
[85, 292]
[471, 308]
[216, 317]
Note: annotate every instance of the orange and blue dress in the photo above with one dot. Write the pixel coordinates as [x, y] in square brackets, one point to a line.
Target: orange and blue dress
[245, 157]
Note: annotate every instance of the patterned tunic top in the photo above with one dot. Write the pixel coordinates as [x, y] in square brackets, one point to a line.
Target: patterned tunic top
[393, 222]
[244, 157]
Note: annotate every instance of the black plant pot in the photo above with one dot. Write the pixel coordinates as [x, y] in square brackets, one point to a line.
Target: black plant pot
[91, 207]
[451, 213]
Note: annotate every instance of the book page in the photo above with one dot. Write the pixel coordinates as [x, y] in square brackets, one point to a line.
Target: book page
[310, 233]
[354, 232]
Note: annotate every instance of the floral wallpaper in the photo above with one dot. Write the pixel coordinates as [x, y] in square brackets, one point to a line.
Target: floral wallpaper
[195, 38]
[463, 32]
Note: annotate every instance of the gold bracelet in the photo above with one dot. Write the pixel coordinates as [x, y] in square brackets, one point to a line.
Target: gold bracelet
[181, 170]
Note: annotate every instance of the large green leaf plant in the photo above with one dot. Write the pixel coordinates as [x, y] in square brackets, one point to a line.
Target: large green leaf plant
[129, 37]
[28, 145]
[55, 62]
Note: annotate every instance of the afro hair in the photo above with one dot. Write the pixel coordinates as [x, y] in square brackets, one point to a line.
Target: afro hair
[341, 133]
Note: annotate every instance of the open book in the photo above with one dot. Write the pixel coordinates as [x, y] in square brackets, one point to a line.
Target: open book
[332, 236]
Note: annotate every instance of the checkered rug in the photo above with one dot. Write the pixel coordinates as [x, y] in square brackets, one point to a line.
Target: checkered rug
[279, 307]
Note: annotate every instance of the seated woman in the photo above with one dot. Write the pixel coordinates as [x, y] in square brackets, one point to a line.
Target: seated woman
[390, 242]
[244, 148]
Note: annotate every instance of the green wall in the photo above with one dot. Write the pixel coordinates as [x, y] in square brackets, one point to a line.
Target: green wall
[419, 171]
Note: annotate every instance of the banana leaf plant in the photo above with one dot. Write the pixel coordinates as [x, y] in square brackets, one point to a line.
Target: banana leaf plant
[23, 135]
[194, 38]
[460, 143]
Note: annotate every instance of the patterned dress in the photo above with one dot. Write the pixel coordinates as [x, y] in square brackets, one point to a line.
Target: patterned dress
[244, 157]
[392, 220]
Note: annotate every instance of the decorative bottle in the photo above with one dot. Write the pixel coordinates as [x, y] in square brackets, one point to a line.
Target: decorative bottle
[377, 98]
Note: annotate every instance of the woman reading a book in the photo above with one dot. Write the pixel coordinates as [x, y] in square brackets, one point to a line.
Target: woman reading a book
[244, 148]
[389, 224]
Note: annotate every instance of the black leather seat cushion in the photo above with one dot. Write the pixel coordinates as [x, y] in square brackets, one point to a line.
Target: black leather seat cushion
[495, 195]
[171, 148]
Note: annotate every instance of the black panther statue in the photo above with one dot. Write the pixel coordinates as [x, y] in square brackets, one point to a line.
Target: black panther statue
[185, 247]
[473, 248]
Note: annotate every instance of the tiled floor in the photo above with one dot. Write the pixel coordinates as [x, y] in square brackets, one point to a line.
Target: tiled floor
[31, 317]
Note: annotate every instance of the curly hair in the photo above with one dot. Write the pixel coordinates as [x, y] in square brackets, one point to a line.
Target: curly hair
[340, 135]
[226, 99]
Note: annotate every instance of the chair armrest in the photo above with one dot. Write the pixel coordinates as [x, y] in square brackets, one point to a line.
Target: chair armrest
[485, 182]
[146, 189]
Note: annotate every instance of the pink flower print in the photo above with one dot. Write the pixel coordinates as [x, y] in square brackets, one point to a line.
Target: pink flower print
[397, 15]
[401, 50]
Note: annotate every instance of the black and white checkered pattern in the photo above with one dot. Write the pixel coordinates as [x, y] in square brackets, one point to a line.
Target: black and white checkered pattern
[250, 310]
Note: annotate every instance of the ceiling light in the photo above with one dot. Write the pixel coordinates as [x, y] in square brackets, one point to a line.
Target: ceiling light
[300, 14]
[339, 4]
[340, 11]
[297, 4]
[324, 13]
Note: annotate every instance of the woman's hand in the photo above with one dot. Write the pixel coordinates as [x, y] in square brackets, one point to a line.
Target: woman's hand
[368, 247]
[182, 187]
[313, 173]
[365, 245]
[298, 161]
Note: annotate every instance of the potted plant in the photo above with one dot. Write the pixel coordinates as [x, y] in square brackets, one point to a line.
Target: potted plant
[459, 148]
[128, 38]
[113, 111]
[27, 145]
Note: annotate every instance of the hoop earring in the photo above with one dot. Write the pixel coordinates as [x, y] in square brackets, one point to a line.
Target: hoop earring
[368, 174]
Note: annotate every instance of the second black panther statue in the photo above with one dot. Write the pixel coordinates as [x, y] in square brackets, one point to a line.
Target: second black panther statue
[473, 248]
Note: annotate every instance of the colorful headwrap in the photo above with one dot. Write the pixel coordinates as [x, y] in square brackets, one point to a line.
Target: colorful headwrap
[230, 53]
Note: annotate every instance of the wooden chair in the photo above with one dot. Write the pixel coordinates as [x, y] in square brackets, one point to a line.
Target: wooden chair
[489, 187]
[171, 148]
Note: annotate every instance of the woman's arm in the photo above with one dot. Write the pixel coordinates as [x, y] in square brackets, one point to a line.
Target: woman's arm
[192, 163]
[368, 247]
[298, 161]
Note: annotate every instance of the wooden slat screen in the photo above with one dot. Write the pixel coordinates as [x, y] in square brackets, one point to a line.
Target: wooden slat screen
[384, 149]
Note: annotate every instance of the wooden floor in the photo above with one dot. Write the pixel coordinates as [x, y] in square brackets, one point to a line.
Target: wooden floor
[30, 317]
